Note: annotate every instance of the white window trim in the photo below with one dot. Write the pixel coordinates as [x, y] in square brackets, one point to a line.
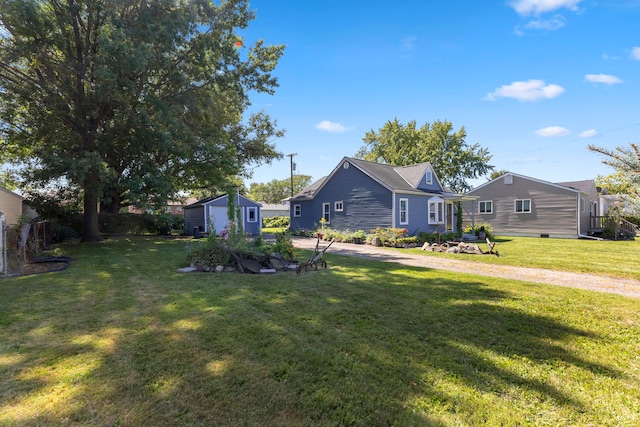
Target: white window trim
[439, 217]
[485, 207]
[255, 214]
[515, 206]
[326, 212]
[338, 206]
[406, 211]
[428, 177]
[297, 210]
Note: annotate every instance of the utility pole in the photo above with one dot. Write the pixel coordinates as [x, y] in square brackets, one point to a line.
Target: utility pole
[291, 159]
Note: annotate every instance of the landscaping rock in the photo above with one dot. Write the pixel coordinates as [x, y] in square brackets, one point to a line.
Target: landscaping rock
[187, 269]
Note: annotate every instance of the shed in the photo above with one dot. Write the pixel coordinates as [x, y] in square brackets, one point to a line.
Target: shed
[210, 215]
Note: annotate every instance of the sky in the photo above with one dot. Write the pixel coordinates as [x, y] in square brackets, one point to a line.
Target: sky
[533, 81]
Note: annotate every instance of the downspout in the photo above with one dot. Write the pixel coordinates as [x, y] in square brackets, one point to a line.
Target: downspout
[393, 209]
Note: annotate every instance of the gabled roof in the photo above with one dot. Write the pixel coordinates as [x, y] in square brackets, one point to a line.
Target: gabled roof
[207, 200]
[311, 190]
[579, 186]
[16, 195]
[204, 201]
[402, 179]
[583, 186]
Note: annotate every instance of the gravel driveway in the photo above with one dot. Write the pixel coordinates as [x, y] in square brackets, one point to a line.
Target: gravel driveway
[626, 287]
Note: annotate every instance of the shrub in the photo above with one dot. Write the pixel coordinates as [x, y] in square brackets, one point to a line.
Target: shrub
[437, 237]
[388, 236]
[477, 228]
[276, 222]
[216, 250]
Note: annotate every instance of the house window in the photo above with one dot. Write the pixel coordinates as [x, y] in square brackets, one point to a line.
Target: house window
[338, 207]
[429, 178]
[252, 214]
[297, 210]
[404, 211]
[485, 207]
[326, 213]
[508, 179]
[523, 206]
[435, 207]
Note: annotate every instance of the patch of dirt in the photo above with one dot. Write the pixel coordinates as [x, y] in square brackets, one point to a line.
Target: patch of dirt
[44, 265]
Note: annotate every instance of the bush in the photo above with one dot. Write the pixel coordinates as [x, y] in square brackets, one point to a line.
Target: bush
[388, 236]
[276, 222]
[216, 250]
[478, 228]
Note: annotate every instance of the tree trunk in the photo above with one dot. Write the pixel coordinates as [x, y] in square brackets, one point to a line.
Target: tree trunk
[114, 206]
[90, 228]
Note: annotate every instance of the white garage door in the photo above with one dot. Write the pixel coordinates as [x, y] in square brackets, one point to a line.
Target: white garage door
[218, 218]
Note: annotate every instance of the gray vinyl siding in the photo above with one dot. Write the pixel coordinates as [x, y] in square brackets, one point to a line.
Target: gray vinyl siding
[366, 203]
[433, 187]
[418, 214]
[554, 210]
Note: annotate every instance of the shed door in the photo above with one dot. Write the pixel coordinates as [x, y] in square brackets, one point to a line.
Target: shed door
[217, 218]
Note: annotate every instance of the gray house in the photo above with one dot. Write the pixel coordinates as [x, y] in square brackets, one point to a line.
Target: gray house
[211, 214]
[362, 195]
[518, 205]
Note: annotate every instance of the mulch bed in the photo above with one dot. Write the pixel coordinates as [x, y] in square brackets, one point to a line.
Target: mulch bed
[45, 265]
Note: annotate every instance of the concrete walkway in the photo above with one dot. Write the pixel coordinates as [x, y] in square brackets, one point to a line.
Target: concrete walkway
[626, 287]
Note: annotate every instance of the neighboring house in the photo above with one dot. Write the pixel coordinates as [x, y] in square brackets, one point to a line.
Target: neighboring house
[13, 206]
[517, 205]
[211, 214]
[268, 210]
[362, 195]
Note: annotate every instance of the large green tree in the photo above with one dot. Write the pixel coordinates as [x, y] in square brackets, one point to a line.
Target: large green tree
[452, 158]
[626, 162]
[131, 100]
[277, 190]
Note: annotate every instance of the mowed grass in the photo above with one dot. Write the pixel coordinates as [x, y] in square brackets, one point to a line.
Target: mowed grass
[619, 258]
[120, 338]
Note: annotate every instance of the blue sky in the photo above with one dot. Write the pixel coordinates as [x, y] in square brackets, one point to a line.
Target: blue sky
[533, 81]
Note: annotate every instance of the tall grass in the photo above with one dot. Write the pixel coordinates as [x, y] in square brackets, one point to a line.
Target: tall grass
[120, 338]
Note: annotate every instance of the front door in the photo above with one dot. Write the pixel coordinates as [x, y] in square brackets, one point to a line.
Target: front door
[449, 216]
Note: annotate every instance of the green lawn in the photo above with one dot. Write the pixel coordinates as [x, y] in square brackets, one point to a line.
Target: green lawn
[120, 338]
[605, 257]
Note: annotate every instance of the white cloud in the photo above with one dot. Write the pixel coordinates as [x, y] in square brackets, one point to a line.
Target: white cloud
[548, 25]
[530, 90]
[537, 7]
[602, 78]
[552, 131]
[329, 126]
[591, 133]
[635, 53]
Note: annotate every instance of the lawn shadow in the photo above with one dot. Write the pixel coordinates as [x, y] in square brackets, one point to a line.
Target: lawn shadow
[361, 343]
